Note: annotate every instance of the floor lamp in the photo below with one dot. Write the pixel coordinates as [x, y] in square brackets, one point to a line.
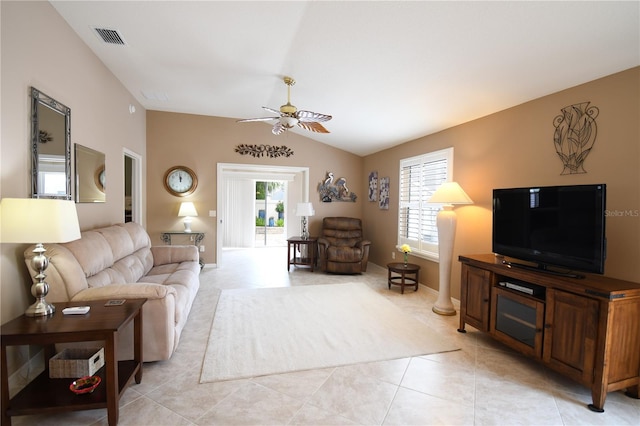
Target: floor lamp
[448, 194]
[38, 221]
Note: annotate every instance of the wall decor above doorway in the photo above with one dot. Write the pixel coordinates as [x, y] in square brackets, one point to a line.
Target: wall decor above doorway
[264, 150]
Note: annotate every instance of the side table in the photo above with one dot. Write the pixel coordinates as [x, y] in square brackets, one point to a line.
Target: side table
[47, 395]
[404, 271]
[301, 245]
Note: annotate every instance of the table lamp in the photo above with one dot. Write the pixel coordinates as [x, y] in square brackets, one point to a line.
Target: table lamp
[448, 194]
[188, 211]
[303, 210]
[38, 221]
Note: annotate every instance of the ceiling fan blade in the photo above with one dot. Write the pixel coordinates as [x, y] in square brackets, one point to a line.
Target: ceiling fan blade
[310, 116]
[313, 126]
[271, 110]
[257, 119]
[278, 128]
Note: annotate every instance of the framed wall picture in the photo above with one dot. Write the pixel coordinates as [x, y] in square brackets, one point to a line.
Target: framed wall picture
[384, 193]
[373, 186]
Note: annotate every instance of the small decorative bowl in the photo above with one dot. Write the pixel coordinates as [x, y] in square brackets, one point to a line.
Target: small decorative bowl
[85, 384]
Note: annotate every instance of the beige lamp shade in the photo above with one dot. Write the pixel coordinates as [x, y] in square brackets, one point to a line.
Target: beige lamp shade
[305, 209]
[450, 193]
[187, 209]
[38, 220]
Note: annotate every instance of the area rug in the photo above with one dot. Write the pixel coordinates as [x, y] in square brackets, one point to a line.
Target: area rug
[257, 332]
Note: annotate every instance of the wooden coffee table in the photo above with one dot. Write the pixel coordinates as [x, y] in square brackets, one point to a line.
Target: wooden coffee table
[407, 274]
[45, 395]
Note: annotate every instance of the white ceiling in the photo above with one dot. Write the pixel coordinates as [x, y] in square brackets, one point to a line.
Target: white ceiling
[388, 72]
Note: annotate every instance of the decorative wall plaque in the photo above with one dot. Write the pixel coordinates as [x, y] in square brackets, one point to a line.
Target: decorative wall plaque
[264, 150]
[335, 191]
[575, 135]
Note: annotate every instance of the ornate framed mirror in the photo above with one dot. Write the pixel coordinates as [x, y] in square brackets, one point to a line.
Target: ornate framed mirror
[50, 147]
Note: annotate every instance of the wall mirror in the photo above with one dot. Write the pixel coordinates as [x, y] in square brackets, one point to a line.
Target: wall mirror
[90, 175]
[51, 147]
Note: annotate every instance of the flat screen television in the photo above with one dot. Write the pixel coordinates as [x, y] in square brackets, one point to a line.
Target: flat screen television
[558, 228]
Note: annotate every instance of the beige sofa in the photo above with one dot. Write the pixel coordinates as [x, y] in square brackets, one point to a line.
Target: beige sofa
[118, 262]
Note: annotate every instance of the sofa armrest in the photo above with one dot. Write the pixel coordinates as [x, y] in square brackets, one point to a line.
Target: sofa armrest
[164, 255]
[125, 291]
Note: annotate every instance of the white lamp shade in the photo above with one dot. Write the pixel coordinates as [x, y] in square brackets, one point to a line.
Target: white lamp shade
[305, 209]
[450, 193]
[38, 220]
[187, 209]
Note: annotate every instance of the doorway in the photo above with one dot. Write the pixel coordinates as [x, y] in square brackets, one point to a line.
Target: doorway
[269, 213]
[132, 187]
[237, 206]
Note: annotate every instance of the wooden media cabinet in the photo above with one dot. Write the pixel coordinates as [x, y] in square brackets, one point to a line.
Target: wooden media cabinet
[587, 329]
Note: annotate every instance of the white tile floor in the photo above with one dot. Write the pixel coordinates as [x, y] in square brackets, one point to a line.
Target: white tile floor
[482, 384]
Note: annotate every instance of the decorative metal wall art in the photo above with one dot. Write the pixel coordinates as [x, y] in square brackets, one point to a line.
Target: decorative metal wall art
[338, 191]
[575, 135]
[264, 150]
[373, 186]
[384, 193]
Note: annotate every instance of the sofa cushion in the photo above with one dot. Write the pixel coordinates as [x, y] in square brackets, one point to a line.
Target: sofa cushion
[92, 252]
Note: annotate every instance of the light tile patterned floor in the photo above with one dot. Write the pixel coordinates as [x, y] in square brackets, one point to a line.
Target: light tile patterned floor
[483, 384]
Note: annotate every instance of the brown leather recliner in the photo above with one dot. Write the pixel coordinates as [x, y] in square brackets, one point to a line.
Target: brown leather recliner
[341, 246]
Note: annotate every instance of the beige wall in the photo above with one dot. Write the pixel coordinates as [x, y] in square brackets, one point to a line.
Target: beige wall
[515, 148]
[201, 142]
[39, 49]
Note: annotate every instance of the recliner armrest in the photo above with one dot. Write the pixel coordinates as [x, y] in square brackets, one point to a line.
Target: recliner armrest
[363, 243]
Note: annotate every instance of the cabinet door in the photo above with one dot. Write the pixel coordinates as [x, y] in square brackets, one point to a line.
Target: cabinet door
[517, 320]
[571, 334]
[474, 297]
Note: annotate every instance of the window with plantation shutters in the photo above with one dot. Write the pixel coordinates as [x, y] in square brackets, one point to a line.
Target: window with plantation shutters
[419, 178]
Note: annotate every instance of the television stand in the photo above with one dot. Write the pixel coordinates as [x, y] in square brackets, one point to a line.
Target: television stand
[586, 329]
[542, 268]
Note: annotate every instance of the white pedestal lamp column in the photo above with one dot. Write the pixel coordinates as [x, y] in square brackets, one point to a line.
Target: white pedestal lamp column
[448, 194]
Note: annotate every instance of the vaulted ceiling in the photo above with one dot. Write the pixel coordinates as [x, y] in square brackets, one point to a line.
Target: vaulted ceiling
[387, 71]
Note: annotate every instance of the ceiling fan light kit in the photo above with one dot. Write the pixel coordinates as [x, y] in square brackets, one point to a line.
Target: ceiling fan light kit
[288, 116]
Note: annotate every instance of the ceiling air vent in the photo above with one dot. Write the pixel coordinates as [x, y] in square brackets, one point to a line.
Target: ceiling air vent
[110, 36]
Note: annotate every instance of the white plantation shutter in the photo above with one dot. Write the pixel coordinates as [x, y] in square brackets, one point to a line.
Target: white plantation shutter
[420, 176]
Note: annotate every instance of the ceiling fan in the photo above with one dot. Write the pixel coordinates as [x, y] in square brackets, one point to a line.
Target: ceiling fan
[289, 116]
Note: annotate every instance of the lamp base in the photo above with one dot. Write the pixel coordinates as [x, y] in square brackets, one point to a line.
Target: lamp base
[443, 311]
[40, 288]
[40, 308]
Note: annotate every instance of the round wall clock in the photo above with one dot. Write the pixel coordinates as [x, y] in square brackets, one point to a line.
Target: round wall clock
[180, 181]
